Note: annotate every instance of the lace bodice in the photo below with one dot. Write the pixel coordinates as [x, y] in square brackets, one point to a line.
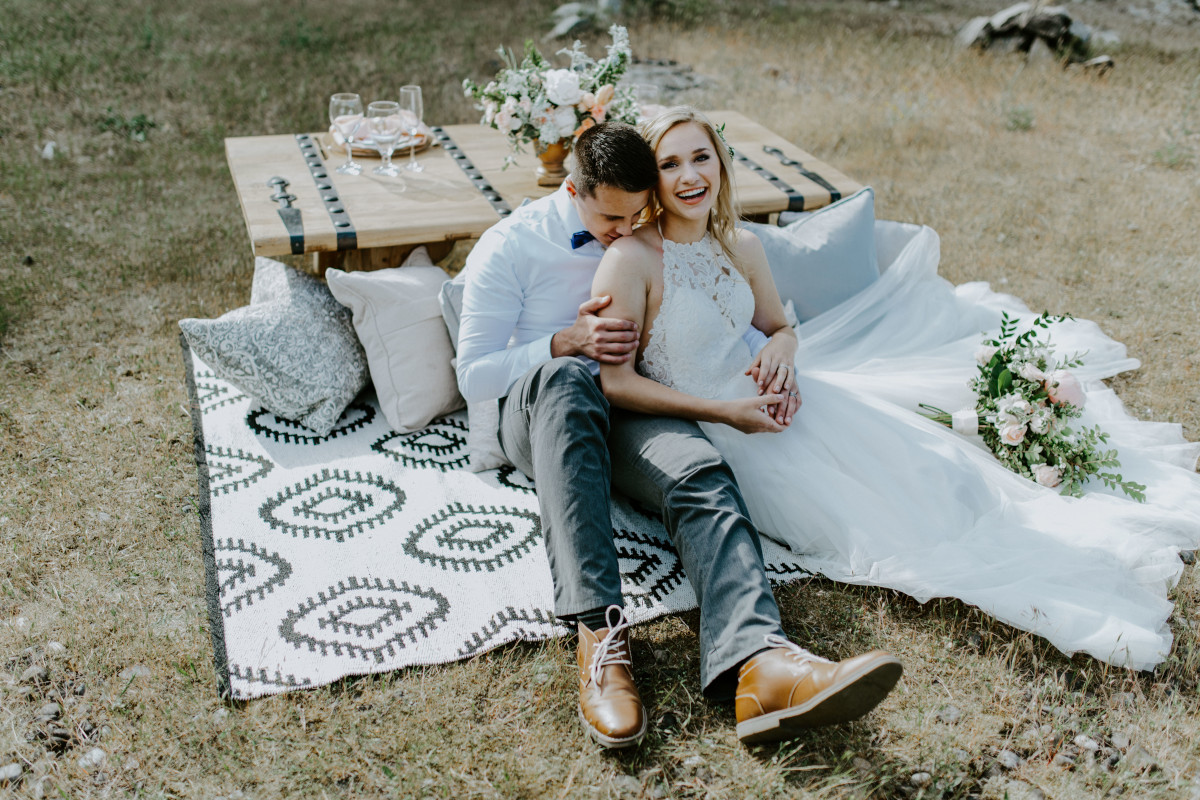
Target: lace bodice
[695, 342]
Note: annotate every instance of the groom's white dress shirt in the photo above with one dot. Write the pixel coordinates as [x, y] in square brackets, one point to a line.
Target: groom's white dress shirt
[524, 283]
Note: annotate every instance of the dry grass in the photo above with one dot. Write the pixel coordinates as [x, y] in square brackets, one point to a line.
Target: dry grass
[1074, 193]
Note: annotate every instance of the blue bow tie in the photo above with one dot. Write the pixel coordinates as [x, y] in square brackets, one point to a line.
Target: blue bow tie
[580, 238]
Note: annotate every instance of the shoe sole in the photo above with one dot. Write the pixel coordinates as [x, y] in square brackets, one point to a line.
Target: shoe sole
[609, 742]
[842, 702]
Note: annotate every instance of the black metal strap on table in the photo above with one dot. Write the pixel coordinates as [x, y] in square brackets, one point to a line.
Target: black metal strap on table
[347, 238]
[795, 199]
[472, 172]
[834, 194]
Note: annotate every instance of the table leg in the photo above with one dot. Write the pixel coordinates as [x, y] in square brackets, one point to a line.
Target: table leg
[375, 257]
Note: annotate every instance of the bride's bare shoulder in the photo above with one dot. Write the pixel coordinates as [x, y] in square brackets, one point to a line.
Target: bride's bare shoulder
[637, 252]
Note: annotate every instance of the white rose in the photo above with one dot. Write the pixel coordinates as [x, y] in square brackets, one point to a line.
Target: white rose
[1012, 435]
[1041, 421]
[1047, 475]
[564, 119]
[562, 87]
[1030, 372]
[985, 352]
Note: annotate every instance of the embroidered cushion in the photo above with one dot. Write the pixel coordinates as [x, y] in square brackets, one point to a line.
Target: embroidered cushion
[293, 348]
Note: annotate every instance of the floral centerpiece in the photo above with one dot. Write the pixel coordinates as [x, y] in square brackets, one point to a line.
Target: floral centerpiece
[536, 102]
[1025, 400]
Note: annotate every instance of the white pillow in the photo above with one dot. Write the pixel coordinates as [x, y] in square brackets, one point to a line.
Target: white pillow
[826, 257]
[451, 299]
[399, 322]
[293, 348]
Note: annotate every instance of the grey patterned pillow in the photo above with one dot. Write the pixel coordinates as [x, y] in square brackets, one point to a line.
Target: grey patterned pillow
[293, 348]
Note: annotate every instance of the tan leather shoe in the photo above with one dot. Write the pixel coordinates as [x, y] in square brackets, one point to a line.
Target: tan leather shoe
[610, 707]
[786, 689]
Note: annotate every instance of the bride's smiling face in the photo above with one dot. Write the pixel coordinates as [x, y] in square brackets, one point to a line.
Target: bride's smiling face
[689, 172]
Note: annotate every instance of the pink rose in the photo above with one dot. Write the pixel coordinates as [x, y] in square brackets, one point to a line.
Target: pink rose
[1063, 387]
[1012, 435]
[1047, 475]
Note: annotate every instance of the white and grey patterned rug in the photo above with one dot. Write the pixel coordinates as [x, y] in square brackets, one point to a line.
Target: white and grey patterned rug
[367, 550]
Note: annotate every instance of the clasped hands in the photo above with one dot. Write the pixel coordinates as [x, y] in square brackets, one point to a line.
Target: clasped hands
[614, 341]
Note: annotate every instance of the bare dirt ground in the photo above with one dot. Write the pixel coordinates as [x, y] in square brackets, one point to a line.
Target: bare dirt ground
[1077, 193]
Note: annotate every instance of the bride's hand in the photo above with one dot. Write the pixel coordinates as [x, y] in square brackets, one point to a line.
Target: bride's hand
[751, 414]
[782, 381]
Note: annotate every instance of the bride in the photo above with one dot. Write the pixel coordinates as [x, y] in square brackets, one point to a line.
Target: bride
[865, 489]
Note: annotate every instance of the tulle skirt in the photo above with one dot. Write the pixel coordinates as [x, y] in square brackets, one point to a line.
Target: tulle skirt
[870, 492]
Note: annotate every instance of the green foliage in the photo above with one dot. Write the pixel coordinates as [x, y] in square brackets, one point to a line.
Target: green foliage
[137, 127]
[1019, 118]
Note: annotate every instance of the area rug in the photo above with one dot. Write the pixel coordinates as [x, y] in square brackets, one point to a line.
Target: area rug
[367, 550]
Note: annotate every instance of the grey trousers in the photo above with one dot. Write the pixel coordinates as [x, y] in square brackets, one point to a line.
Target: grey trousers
[556, 427]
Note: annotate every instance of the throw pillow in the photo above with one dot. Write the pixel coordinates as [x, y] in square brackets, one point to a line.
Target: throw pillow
[293, 348]
[399, 323]
[826, 257]
[451, 298]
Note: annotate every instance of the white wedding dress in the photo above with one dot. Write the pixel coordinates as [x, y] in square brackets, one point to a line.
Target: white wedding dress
[870, 492]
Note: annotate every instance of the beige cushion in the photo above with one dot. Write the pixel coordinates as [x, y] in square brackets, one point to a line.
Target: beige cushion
[399, 323]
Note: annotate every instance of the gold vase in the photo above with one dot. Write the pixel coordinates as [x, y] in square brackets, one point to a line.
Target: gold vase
[550, 171]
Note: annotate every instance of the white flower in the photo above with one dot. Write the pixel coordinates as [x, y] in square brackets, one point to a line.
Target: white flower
[1012, 435]
[1041, 420]
[1013, 407]
[1030, 372]
[489, 112]
[985, 352]
[1047, 475]
[564, 118]
[562, 87]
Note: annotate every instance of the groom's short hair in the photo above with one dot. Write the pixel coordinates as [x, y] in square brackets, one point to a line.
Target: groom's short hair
[613, 154]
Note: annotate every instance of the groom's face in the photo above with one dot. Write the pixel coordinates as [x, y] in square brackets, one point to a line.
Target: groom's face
[609, 213]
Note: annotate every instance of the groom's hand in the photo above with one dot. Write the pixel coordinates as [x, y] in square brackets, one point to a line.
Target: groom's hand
[609, 341]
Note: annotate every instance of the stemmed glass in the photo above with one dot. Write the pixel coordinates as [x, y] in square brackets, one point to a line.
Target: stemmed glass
[346, 112]
[410, 101]
[383, 118]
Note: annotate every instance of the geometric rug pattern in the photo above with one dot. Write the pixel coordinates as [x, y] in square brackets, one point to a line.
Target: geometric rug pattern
[366, 550]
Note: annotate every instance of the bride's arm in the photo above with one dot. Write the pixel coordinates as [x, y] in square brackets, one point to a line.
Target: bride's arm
[774, 366]
[623, 274]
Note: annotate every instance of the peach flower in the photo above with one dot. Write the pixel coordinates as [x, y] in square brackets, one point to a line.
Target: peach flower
[1047, 475]
[1012, 435]
[1063, 387]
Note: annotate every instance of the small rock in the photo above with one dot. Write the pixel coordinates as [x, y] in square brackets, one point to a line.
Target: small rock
[136, 671]
[1020, 790]
[921, 779]
[93, 759]
[87, 728]
[57, 737]
[863, 767]
[949, 715]
[1121, 740]
[1138, 759]
[11, 773]
[662, 656]
[1008, 759]
[974, 640]
[79, 690]
[960, 755]
[692, 762]
[1188, 556]
[35, 674]
[1063, 760]
[55, 648]
[1086, 743]
[49, 712]
[1112, 761]
[48, 150]
[220, 715]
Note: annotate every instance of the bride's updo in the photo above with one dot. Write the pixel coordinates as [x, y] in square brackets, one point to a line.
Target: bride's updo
[722, 222]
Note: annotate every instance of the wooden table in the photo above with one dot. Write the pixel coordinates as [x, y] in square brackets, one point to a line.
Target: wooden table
[463, 191]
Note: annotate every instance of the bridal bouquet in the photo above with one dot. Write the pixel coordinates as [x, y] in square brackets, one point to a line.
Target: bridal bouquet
[1025, 401]
[534, 101]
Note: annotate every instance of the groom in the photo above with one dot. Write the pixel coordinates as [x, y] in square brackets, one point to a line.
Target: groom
[530, 337]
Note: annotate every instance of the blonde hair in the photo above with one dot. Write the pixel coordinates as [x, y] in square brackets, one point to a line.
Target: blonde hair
[722, 222]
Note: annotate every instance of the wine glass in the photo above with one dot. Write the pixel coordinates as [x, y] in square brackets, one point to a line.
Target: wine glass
[383, 120]
[410, 101]
[346, 112]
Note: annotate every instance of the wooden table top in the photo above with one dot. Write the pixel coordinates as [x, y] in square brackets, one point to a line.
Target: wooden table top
[447, 202]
